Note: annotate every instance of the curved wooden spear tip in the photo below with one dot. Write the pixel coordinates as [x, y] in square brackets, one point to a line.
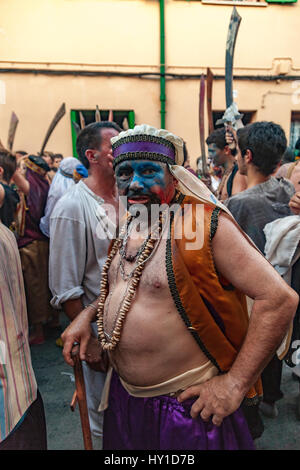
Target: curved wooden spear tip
[2, 148]
[125, 124]
[97, 114]
[82, 121]
[59, 114]
[110, 115]
[76, 127]
[14, 121]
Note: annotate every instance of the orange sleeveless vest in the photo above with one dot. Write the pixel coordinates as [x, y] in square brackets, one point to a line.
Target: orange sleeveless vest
[212, 309]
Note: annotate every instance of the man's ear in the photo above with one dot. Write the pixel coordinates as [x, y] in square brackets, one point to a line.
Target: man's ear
[91, 155]
[1, 172]
[248, 156]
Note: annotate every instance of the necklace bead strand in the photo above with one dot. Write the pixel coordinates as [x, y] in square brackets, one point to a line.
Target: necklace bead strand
[134, 279]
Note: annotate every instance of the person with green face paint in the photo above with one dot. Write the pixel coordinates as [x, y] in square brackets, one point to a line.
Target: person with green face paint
[172, 313]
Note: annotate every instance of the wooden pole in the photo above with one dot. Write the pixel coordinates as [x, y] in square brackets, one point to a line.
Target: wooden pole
[81, 400]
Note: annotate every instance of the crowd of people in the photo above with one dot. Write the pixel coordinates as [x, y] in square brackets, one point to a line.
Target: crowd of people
[184, 354]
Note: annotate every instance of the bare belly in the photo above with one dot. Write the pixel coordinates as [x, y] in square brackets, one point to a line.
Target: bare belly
[155, 344]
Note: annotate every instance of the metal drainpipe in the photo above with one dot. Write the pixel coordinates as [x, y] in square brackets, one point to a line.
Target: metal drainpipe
[162, 66]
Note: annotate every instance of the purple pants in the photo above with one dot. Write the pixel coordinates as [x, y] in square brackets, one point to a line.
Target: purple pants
[161, 423]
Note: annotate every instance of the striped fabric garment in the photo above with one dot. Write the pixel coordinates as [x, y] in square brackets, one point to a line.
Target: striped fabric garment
[18, 388]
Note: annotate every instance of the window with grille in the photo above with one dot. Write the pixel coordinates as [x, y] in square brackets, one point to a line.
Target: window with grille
[83, 117]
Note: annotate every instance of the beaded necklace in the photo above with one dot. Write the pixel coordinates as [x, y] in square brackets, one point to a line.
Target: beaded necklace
[110, 341]
[123, 255]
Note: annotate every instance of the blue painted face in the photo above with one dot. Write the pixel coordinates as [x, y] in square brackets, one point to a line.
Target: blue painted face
[216, 154]
[145, 182]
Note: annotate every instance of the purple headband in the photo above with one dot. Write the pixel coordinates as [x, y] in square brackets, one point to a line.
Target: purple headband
[145, 147]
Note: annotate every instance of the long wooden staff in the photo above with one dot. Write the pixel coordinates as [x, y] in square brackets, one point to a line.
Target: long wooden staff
[110, 115]
[125, 124]
[80, 398]
[2, 148]
[82, 120]
[60, 113]
[201, 124]
[209, 86]
[97, 114]
[14, 121]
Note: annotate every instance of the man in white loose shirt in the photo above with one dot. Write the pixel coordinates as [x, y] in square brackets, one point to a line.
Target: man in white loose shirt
[79, 244]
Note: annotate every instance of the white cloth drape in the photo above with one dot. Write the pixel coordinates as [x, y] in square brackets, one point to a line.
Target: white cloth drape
[62, 181]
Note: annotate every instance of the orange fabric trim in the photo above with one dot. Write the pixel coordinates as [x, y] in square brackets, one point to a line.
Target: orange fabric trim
[218, 315]
[37, 169]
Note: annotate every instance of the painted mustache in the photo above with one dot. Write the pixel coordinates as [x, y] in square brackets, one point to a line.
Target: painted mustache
[143, 196]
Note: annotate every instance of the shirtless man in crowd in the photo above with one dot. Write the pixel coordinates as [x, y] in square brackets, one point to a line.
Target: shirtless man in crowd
[184, 354]
[233, 182]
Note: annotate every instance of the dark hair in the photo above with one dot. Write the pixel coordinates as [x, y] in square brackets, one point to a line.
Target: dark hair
[267, 142]
[217, 137]
[288, 156]
[297, 144]
[58, 155]
[39, 161]
[242, 135]
[21, 152]
[48, 154]
[9, 164]
[90, 138]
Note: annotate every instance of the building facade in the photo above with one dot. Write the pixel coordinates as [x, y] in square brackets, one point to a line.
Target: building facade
[108, 53]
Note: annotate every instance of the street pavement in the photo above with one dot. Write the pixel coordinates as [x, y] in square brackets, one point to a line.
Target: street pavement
[55, 382]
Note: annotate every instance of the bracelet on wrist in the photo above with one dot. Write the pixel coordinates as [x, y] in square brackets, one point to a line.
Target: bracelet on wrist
[93, 306]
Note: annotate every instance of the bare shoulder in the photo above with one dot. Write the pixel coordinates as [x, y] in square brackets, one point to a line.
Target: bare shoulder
[282, 172]
[230, 235]
[240, 262]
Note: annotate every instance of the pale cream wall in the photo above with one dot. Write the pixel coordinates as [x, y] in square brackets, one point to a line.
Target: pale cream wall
[126, 32]
[183, 102]
[197, 34]
[80, 31]
[123, 35]
[36, 99]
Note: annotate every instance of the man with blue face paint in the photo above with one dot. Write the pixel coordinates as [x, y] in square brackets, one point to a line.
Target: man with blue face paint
[233, 182]
[185, 358]
[145, 182]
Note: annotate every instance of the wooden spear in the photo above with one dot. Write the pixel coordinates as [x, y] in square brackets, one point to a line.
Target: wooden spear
[14, 121]
[201, 124]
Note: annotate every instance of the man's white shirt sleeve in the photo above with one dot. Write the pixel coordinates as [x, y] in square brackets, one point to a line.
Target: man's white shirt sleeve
[67, 253]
